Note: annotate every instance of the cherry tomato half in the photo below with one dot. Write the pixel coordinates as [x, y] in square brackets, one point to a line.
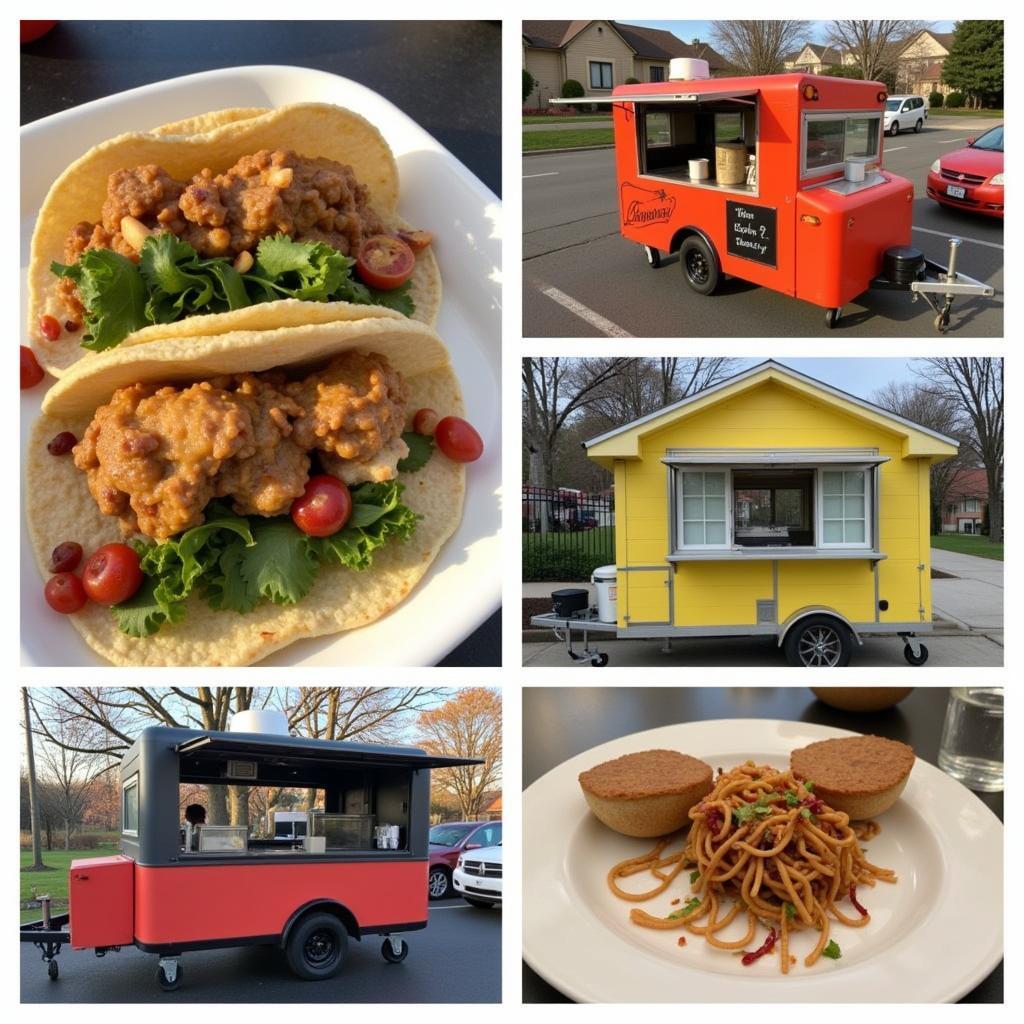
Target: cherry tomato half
[31, 371]
[385, 262]
[49, 326]
[324, 507]
[458, 440]
[112, 574]
[64, 593]
[425, 422]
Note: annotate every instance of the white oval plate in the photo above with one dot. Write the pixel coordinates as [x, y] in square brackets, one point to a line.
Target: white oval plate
[933, 936]
[463, 586]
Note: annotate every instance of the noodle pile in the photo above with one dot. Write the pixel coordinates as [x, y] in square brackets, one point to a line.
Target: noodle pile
[761, 843]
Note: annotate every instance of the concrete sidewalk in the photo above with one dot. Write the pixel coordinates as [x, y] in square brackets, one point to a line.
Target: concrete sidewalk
[975, 599]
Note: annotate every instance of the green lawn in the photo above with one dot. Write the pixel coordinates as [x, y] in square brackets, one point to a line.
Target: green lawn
[571, 138]
[564, 118]
[968, 544]
[54, 881]
[963, 112]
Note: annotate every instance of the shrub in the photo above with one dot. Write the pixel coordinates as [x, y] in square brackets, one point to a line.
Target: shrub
[632, 81]
[955, 99]
[571, 89]
[529, 82]
[935, 99]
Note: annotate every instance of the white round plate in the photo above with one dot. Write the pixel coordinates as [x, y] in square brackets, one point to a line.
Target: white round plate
[933, 936]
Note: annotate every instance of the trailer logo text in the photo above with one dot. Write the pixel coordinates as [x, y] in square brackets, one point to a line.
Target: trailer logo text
[644, 206]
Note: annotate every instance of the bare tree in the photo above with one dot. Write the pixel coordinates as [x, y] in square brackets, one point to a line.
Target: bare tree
[758, 47]
[33, 787]
[875, 46]
[976, 385]
[942, 413]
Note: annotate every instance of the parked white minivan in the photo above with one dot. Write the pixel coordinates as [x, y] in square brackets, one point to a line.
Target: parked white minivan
[477, 876]
[902, 112]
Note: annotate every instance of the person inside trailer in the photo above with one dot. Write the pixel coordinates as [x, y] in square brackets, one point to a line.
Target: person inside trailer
[195, 815]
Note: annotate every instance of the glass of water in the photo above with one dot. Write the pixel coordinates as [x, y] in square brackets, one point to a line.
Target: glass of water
[972, 738]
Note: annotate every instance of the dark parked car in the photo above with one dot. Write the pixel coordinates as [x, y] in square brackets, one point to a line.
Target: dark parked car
[450, 839]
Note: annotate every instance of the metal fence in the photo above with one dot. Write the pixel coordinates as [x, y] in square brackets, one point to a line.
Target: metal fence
[566, 533]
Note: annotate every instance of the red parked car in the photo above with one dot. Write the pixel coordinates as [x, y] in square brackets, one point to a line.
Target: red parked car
[447, 841]
[971, 178]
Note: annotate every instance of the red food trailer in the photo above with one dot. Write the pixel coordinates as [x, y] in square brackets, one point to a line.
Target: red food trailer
[360, 870]
[775, 179]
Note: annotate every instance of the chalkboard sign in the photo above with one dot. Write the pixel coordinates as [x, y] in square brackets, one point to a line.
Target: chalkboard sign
[750, 232]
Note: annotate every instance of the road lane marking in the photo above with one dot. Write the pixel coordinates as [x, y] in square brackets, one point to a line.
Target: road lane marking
[894, 149]
[946, 234]
[606, 327]
[946, 142]
[546, 174]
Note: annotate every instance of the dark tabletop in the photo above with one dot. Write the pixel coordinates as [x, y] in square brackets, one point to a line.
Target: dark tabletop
[601, 714]
[445, 75]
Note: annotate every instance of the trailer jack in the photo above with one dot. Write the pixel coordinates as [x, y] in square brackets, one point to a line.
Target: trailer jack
[596, 658]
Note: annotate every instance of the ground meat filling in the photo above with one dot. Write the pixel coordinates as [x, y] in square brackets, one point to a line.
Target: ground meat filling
[265, 193]
[156, 456]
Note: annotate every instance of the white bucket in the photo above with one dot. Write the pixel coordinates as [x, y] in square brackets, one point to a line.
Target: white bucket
[699, 170]
[273, 722]
[605, 580]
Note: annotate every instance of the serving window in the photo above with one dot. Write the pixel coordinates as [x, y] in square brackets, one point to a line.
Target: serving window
[829, 140]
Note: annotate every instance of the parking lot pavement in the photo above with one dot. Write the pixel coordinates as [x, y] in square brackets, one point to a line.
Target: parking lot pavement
[457, 934]
[945, 650]
[582, 279]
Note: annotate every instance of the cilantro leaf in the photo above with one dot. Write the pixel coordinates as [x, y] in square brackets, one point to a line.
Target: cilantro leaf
[399, 299]
[809, 786]
[805, 812]
[280, 566]
[761, 808]
[832, 950]
[421, 448]
[686, 909]
[792, 800]
[144, 613]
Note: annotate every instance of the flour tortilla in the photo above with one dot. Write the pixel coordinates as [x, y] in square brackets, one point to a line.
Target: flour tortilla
[60, 507]
[217, 140]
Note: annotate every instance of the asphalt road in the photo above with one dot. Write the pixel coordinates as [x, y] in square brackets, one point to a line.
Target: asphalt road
[962, 650]
[456, 959]
[572, 248]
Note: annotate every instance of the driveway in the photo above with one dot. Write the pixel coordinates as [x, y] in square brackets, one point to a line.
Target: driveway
[458, 934]
[582, 279]
[975, 599]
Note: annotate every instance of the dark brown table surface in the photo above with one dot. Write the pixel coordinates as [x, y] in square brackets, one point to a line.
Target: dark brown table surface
[559, 723]
[445, 75]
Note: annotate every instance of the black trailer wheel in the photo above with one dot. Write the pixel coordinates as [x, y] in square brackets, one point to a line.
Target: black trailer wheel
[390, 955]
[819, 641]
[439, 883]
[164, 983]
[653, 257]
[599, 661]
[316, 947]
[894, 128]
[915, 659]
[53, 970]
[482, 904]
[700, 265]
[918, 126]
[832, 317]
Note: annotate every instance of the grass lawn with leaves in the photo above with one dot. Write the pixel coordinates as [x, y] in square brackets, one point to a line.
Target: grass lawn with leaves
[54, 881]
[564, 118]
[571, 138]
[963, 112]
[968, 544]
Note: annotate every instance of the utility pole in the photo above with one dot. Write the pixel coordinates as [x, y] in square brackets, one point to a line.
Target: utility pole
[33, 796]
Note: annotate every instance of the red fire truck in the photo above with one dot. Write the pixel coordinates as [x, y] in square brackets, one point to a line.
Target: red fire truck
[360, 870]
[775, 179]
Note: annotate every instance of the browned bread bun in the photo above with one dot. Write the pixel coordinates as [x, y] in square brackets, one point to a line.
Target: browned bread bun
[862, 776]
[861, 698]
[646, 794]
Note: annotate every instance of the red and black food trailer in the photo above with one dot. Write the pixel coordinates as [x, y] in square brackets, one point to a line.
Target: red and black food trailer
[774, 179]
[360, 870]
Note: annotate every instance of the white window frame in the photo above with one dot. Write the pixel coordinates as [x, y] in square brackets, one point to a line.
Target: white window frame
[590, 74]
[819, 526]
[677, 483]
[131, 783]
[836, 115]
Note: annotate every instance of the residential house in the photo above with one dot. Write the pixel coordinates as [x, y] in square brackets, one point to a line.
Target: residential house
[601, 55]
[963, 510]
[813, 59]
[492, 811]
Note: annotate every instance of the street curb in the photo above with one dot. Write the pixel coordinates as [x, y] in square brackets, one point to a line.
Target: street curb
[570, 149]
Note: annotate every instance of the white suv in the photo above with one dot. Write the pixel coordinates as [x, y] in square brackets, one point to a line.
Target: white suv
[905, 112]
[477, 876]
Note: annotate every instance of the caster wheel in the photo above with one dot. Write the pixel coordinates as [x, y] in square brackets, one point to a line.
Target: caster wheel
[915, 659]
[390, 955]
[53, 970]
[653, 257]
[942, 323]
[832, 317]
[600, 661]
[169, 986]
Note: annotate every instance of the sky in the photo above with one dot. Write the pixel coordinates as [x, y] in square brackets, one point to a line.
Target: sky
[860, 377]
[690, 30]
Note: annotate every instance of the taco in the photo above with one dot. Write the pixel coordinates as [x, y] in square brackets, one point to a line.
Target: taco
[234, 220]
[195, 452]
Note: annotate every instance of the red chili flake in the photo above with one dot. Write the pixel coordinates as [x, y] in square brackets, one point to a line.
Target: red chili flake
[62, 443]
[815, 803]
[714, 819]
[50, 327]
[71, 326]
[853, 900]
[681, 941]
[766, 947]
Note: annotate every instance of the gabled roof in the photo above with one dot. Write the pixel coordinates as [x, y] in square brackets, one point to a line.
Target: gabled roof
[624, 442]
[826, 54]
[944, 39]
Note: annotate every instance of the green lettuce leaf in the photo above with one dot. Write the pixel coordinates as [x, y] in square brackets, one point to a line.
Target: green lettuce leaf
[421, 448]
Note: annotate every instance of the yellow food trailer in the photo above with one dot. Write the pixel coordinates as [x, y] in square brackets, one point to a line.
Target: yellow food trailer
[770, 503]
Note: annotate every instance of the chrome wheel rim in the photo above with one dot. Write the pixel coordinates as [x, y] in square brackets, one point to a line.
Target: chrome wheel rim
[819, 647]
[437, 884]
